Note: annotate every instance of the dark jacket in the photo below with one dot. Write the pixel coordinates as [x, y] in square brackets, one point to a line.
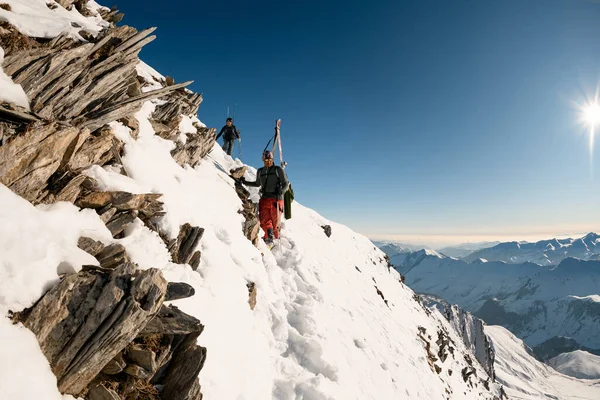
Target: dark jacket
[272, 181]
[229, 133]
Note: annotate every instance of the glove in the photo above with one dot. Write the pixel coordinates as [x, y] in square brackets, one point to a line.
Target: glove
[242, 180]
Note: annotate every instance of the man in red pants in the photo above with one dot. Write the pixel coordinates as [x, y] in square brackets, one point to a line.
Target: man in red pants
[273, 184]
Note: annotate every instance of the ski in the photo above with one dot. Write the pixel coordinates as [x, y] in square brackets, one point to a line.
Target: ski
[277, 143]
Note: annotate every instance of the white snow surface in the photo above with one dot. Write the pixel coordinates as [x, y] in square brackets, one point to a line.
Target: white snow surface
[319, 330]
[578, 363]
[36, 245]
[525, 378]
[10, 91]
[34, 18]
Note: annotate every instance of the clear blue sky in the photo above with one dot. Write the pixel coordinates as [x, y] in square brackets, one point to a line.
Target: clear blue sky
[405, 119]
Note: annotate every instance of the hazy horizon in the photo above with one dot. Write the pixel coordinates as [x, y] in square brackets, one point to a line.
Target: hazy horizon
[437, 242]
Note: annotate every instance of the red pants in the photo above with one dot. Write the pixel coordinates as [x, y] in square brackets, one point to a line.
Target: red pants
[269, 212]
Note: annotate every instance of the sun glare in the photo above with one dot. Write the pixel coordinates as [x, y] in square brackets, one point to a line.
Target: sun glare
[591, 114]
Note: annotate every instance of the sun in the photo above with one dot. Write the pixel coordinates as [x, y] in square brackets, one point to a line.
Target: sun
[591, 114]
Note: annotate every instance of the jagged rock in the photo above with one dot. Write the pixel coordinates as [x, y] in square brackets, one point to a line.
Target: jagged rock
[132, 123]
[114, 366]
[169, 81]
[184, 246]
[380, 293]
[101, 393]
[106, 213]
[179, 290]
[29, 160]
[84, 321]
[467, 372]
[180, 359]
[237, 173]
[241, 191]
[196, 147]
[86, 83]
[181, 380]
[171, 320]
[112, 256]
[96, 149]
[251, 229]
[137, 372]
[195, 260]
[143, 358]
[120, 221]
[122, 201]
[162, 130]
[68, 4]
[71, 191]
[327, 230]
[251, 295]
[5, 6]
[181, 102]
[90, 246]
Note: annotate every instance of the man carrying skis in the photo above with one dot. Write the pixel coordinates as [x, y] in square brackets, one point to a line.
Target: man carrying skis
[230, 133]
[273, 184]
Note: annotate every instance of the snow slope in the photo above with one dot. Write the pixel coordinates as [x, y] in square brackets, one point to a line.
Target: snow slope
[578, 363]
[535, 302]
[525, 378]
[320, 329]
[545, 252]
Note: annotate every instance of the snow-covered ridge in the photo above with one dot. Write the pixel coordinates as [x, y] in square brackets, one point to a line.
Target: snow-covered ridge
[544, 252]
[579, 364]
[535, 302]
[525, 378]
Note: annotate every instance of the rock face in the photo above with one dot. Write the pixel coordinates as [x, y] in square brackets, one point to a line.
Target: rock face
[84, 321]
[183, 248]
[105, 331]
[470, 329]
[76, 89]
[249, 211]
[327, 230]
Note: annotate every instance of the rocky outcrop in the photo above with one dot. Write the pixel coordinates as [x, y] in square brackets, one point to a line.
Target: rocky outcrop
[106, 332]
[76, 89]
[251, 294]
[249, 210]
[327, 230]
[88, 317]
[183, 248]
[470, 329]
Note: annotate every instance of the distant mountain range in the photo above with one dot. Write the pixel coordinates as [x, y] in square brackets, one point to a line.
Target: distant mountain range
[544, 252]
[535, 302]
[463, 250]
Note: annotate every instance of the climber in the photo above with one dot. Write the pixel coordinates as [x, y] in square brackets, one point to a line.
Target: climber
[273, 184]
[230, 133]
